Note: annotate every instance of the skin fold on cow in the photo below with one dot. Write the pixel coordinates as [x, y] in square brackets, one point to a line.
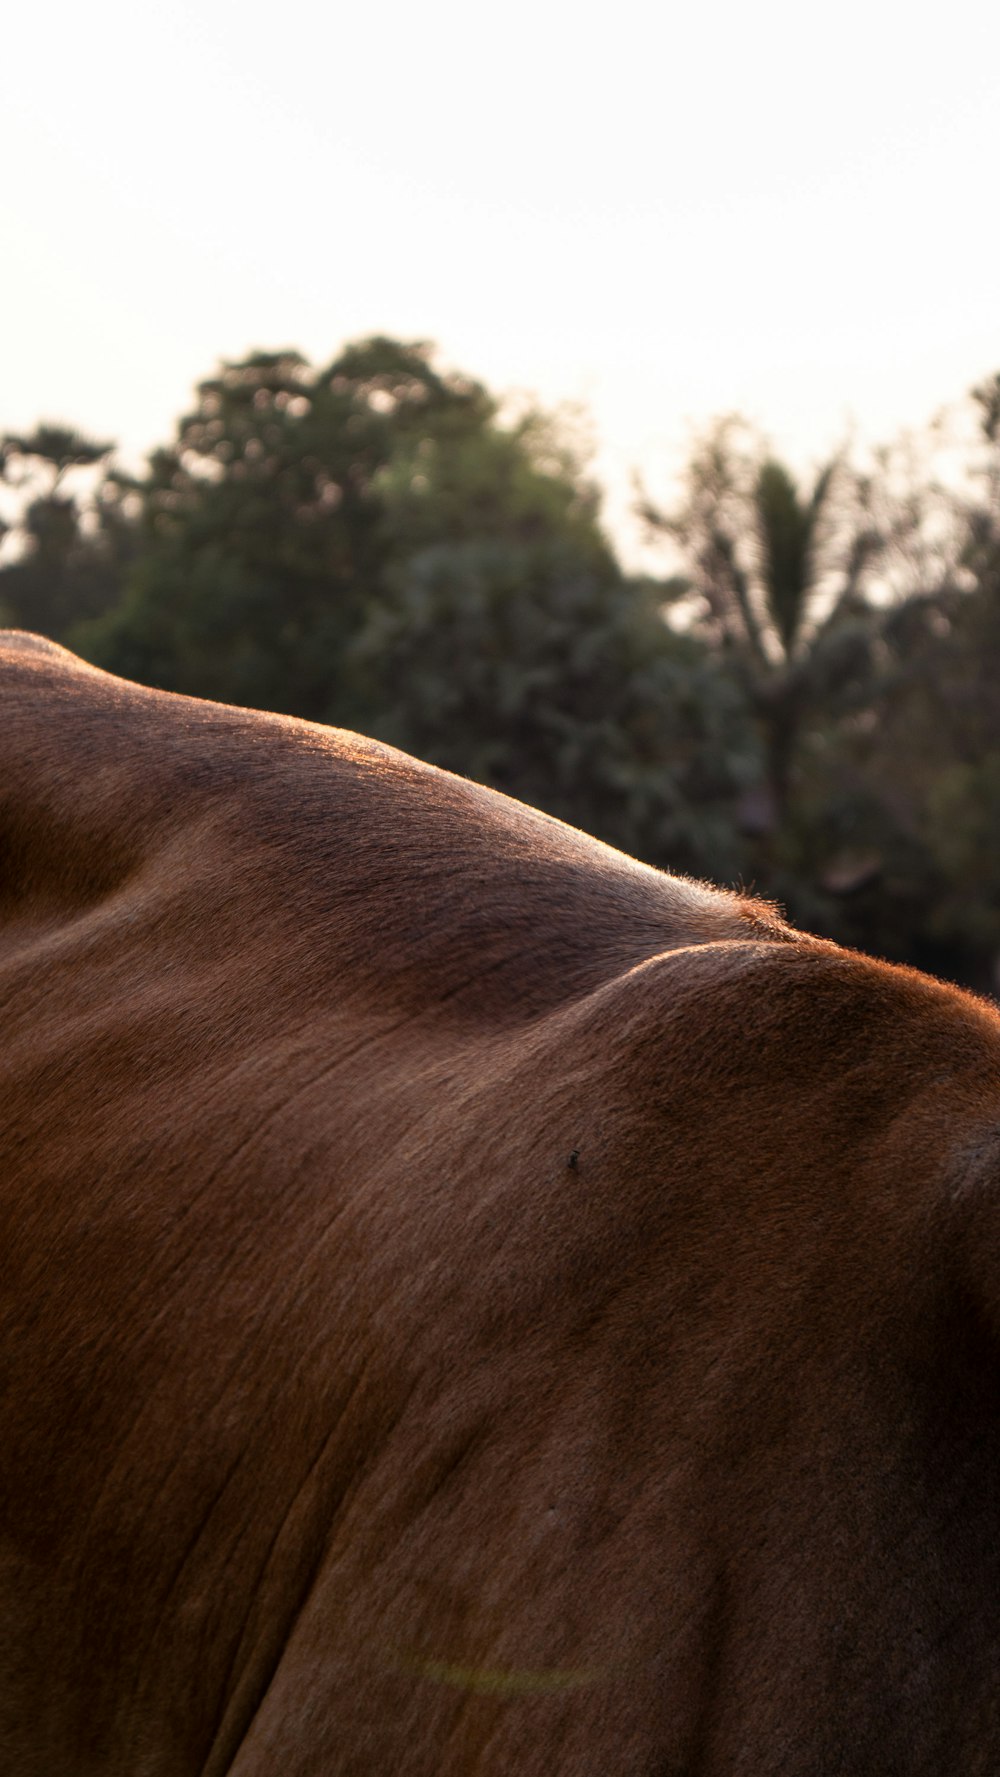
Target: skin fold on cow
[471, 1304]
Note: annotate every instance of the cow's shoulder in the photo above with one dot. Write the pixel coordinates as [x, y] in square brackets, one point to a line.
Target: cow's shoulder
[776, 1094]
[781, 1014]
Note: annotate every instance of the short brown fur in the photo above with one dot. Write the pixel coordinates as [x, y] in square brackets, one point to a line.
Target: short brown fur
[471, 1304]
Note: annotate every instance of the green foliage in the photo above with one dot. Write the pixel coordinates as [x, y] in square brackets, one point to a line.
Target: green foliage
[58, 567]
[268, 530]
[787, 526]
[861, 617]
[783, 586]
[521, 485]
[54, 448]
[963, 811]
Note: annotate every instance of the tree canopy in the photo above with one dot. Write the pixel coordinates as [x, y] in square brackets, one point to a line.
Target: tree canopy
[270, 524]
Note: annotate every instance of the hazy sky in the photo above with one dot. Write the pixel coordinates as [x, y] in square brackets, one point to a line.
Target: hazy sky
[663, 212]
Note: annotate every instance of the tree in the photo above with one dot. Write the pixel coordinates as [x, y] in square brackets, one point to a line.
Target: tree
[778, 588]
[938, 742]
[269, 526]
[799, 592]
[59, 567]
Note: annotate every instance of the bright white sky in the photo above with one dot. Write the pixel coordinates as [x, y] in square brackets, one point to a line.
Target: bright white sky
[663, 212]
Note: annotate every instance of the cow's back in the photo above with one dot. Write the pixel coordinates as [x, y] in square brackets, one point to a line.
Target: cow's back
[472, 1303]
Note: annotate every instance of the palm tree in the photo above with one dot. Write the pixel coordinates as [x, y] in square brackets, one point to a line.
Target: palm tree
[781, 581]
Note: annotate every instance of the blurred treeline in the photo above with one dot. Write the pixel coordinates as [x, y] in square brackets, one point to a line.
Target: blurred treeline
[808, 706]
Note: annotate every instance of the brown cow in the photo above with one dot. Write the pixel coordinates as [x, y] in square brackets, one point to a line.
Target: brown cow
[472, 1305]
